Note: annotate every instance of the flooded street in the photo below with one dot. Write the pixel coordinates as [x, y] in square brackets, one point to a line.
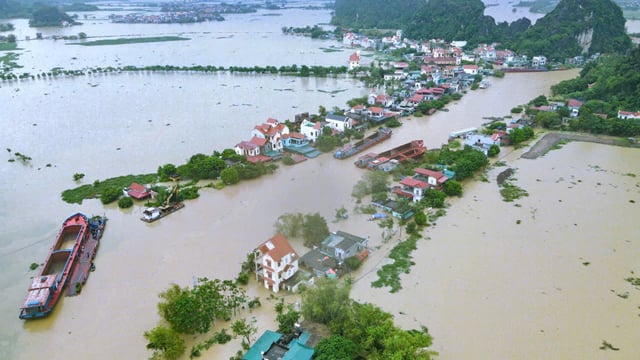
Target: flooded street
[481, 284]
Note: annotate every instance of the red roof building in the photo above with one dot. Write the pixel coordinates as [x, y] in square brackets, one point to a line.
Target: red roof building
[138, 191]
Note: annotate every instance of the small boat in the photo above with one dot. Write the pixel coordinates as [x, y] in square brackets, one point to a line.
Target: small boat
[46, 288]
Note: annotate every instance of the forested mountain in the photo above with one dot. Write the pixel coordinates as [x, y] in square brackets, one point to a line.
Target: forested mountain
[574, 27]
[375, 14]
[612, 81]
[452, 20]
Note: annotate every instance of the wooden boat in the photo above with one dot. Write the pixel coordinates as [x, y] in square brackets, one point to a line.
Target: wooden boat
[46, 288]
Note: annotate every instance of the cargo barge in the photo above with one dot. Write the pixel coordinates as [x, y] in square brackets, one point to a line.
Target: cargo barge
[351, 149]
[47, 287]
[398, 154]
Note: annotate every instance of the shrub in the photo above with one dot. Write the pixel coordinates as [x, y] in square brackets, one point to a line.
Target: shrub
[288, 160]
[352, 263]
[110, 195]
[493, 151]
[516, 110]
[77, 176]
[125, 202]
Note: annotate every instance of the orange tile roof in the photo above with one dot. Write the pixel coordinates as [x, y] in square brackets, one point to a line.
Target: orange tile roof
[277, 247]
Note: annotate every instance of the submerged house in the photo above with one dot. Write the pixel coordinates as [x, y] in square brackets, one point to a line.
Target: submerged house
[327, 259]
[276, 346]
[275, 262]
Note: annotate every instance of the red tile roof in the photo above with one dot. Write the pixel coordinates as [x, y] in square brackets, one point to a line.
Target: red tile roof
[258, 141]
[138, 191]
[430, 173]
[414, 183]
[277, 247]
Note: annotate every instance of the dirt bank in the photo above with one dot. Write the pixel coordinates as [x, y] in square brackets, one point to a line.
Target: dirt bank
[549, 140]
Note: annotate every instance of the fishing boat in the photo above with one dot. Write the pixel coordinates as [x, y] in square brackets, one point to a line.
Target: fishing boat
[46, 288]
[361, 145]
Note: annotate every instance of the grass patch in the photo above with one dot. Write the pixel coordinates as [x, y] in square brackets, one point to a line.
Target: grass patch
[331, 50]
[6, 46]
[124, 41]
[499, 163]
[512, 192]
[559, 145]
[389, 275]
[77, 195]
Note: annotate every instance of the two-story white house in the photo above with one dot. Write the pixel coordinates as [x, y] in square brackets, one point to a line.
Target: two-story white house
[311, 130]
[339, 122]
[275, 262]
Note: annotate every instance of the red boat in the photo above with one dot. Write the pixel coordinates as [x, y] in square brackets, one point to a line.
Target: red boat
[47, 287]
[400, 154]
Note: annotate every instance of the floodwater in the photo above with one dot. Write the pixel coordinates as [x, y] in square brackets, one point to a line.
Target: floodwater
[110, 125]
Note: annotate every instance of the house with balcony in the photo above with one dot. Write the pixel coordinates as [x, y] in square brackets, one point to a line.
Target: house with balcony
[275, 262]
[411, 188]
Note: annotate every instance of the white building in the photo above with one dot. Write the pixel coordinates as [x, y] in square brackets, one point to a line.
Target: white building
[311, 130]
[339, 122]
[275, 262]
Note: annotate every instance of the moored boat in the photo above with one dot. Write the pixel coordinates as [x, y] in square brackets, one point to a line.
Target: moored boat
[399, 154]
[46, 288]
[361, 145]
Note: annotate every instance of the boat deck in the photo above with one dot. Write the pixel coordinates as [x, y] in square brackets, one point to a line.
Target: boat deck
[81, 271]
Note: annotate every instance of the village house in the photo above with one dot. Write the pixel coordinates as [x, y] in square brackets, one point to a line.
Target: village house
[434, 179]
[354, 60]
[273, 345]
[271, 131]
[311, 130]
[339, 122]
[327, 260]
[247, 149]
[342, 245]
[482, 142]
[538, 61]
[138, 191]
[574, 105]
[470, 69]
[411, 188]
[275, 262]
[628, 115]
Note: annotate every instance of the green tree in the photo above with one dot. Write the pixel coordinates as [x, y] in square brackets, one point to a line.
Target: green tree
[125, 202]
[82, 35]
[165, 343]
[193, 310]
[11, 38]
[452, 188]
[335, 347]
[420, 218]
[245, 329]
[166, 171]
[327, 302]
[287, 320]
[230, 176]
[493, 151]
[315, 229]
[290, 225]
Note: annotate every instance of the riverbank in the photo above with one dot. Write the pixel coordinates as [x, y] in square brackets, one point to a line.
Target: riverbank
[550, 140]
